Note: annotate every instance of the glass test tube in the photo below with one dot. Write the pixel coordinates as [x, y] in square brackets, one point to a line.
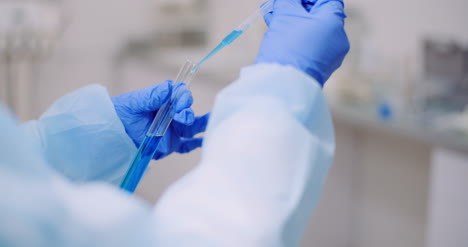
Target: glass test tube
[156, 132]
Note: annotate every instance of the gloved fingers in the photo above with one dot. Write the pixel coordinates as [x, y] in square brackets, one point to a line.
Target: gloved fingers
[290, 7]
[198, 126]
[185, 117]
[285, 5]
[149, 99]
[308, 4]
[332, 13]
[159, 155]
[188, 145]
[268, 16]
[184, 99]
[163, 149]
[319, 3]
[335, 7]
[300, 6]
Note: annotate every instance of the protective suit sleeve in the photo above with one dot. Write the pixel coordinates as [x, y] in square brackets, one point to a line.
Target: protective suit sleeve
[267, 151]
[82, 137]
[39, 207]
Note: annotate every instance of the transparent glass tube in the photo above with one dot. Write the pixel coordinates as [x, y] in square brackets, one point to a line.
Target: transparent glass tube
[163, 118]
[241, 29]
[155, 133]
[264, 9]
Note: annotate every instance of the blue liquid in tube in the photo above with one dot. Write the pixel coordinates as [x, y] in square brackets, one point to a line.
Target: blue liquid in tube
[226, 41]
[148, 146]
[150, 143]
[140, 163]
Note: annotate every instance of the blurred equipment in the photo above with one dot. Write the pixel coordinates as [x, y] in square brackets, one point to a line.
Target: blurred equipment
[457, 122]
[353, 83]
[28, 30]
[181, 23]
[446, 72]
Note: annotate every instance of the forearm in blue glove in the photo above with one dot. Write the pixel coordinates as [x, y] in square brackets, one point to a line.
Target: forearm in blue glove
[137, 110]
[306, 34]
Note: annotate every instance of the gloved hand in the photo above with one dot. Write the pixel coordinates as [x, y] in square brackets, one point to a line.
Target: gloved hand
[308, 35]
[137, 110]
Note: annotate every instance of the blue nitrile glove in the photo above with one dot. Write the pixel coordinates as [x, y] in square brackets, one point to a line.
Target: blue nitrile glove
[137, 110]
[308, 35]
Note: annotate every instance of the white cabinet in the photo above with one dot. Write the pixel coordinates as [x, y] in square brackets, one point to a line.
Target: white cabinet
[448, 207]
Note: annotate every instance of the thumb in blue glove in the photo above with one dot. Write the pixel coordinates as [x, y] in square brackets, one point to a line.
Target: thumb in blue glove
[306, 34]
[137, 110]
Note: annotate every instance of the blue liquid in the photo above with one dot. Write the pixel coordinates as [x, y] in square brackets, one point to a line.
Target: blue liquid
[140, 163]
[226, 41]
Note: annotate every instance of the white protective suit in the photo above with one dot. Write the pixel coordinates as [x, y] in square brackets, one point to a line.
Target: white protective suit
[267, 151]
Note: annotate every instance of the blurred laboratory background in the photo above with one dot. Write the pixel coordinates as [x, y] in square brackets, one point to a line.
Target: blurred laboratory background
[399, 102]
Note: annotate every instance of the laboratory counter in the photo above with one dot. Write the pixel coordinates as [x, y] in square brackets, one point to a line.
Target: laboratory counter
[396, 175]
[412, 126]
